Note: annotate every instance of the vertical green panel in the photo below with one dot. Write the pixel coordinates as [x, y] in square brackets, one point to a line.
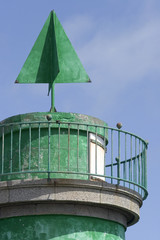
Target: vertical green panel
[43, 149]
[60, 227]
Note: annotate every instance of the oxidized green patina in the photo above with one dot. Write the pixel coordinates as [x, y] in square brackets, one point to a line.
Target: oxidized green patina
[52, 59]
[46, 146]
[60, 227]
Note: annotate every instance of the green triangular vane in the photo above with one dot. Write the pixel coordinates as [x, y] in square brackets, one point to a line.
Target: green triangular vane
[52, 58]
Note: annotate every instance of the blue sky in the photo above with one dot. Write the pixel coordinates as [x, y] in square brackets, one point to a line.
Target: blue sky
[118, 42]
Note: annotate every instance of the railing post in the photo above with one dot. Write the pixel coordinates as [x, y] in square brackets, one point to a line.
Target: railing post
[49, 135]
[39, 145]
[2, 150]
[135, 164]
[118, 169]
[119, 155]
[59, 133]
[68, 146]
[111, 155]
[11, 149]
[104, 146]
[30, 145]
[96, 152]
[19, 150]
[88, 153]
[78, 148]
[145, 166]
[125, 163]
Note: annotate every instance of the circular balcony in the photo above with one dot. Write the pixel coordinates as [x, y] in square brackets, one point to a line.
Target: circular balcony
[73, 150]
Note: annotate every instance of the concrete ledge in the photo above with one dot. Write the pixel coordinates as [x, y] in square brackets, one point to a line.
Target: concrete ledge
[47, 208]
[71, 197]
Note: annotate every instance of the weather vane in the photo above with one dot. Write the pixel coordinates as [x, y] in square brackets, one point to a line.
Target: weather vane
[52, 59]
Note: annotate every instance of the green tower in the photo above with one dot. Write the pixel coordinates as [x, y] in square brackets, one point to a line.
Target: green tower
[66, 175]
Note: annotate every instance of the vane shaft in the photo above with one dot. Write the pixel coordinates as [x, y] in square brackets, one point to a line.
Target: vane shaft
[52, 97]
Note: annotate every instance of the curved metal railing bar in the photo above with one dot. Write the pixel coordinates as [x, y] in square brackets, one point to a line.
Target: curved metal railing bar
[38, 149]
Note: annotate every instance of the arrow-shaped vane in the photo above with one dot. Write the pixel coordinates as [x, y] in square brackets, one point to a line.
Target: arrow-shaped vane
[52, 59]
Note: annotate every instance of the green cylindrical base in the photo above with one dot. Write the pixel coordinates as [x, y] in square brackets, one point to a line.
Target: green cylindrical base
[60, 227]
[47, 145]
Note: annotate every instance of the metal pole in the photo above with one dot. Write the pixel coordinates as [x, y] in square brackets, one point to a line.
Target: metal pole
[52, 97]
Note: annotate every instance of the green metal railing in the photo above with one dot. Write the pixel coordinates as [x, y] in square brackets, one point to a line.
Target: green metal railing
[61, 150]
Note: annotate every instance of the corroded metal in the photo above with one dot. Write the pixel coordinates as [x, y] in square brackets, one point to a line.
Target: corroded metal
[61, 148]
[52, 59]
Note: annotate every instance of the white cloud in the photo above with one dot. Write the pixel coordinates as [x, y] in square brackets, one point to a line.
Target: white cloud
[114, 61]
[78, 27]
[128, 56]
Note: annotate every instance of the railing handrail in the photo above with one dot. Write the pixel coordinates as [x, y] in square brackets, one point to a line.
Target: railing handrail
[121, 162]
[75, 123]
[134, 167]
